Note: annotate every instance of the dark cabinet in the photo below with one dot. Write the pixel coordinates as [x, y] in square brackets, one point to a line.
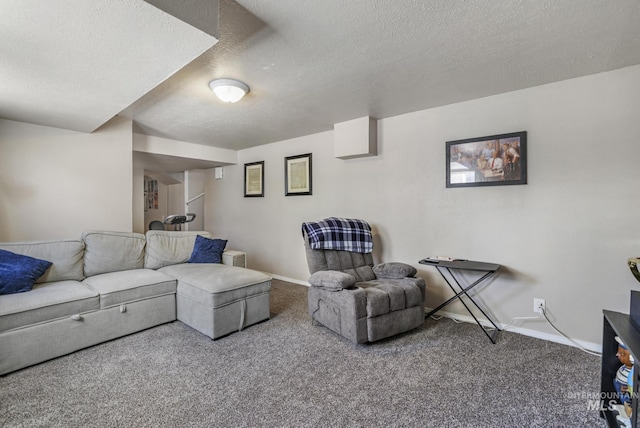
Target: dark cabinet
[621, 325]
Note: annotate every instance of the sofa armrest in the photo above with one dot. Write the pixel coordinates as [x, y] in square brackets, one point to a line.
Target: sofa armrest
[332, 280]
[234, 258]
[394, 270]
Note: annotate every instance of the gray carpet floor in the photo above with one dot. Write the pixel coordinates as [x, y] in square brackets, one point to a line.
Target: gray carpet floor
[286, 372]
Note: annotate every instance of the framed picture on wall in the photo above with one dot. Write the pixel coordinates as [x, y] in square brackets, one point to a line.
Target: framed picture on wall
[152, 194]
[254, 179]
[297, 175]
[495, 160]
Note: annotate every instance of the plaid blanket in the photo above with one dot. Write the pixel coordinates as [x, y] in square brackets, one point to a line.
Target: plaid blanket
[339, 234]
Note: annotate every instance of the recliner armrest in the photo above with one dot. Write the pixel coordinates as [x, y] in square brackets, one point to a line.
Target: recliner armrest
[332, 280]
[394, 270]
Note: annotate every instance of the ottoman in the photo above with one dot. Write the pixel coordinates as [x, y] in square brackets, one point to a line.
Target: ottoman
[217, 299]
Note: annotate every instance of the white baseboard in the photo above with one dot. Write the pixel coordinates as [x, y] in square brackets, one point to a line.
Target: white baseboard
[556, 338]
[284, 278]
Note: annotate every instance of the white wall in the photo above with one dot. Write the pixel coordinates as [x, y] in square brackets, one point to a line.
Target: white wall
[181, 149]
[175, 199]
[56, 183]
[194, 186]
[564, 237]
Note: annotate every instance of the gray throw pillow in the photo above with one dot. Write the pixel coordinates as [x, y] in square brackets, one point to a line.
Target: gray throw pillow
[394, 270]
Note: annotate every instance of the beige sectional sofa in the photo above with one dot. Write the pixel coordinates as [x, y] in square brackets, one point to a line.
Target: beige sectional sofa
[110, 284]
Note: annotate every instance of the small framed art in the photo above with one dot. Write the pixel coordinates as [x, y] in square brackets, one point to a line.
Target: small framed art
[297, 175]
[495, 160]
[254, 179]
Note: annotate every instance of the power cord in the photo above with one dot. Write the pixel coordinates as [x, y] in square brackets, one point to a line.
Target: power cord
[507, 326]
[541, 314]
[439, 317]
[544, 313]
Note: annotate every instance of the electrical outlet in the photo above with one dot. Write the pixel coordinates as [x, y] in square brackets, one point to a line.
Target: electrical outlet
[539, 305]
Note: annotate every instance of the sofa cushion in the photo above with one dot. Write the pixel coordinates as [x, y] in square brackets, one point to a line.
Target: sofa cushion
[377, 302]
[166, 248]
[18, 272]
[112, 251]
[207, 250]
[125, 286]
[216, 285]
[66, 256]
[389, 295]
[46, 302]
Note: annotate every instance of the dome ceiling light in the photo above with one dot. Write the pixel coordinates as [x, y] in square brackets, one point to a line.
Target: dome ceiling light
[228, 90]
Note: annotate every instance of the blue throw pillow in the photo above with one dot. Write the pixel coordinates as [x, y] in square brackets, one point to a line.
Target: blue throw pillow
[207, 250]
[18, 273]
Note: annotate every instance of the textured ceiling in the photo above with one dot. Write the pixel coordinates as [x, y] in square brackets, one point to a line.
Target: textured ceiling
[77, 64]
[313, 63]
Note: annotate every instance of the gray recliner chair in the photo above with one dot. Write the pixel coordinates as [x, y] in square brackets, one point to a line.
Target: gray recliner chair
[360, 301]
